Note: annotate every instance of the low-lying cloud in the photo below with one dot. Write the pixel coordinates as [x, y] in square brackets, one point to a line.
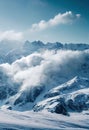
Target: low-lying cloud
[11, 35]
[65, 18]
[48, 69]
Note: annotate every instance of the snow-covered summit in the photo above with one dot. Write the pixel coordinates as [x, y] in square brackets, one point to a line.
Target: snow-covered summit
[70, 96]
[16, 50]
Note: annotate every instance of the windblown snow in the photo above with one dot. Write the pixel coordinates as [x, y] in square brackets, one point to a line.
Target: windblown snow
[44, 78]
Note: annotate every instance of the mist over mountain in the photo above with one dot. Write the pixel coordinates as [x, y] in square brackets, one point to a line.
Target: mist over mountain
[44, 65]
[37, 79]
[52, 77]
[13, 50]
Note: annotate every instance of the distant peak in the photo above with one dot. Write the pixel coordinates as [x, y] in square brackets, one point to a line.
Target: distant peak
[27, 41]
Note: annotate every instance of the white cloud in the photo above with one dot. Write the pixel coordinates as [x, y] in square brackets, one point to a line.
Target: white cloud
[48, 69]
[78, 15]
[65, 18]
[11, 35]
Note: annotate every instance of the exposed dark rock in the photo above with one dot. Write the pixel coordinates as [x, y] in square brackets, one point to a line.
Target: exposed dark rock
[61, 109]
[10, 108]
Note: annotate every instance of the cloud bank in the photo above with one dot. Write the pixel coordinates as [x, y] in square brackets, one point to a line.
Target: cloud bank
[11, 35]
[65, 18]
[48, 69]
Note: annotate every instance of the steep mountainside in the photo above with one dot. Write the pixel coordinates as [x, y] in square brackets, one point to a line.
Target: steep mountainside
[50, 77]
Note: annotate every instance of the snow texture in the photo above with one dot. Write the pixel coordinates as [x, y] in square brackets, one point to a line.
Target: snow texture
[38, 82]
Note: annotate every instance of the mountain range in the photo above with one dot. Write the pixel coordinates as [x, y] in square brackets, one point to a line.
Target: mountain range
[44, 77]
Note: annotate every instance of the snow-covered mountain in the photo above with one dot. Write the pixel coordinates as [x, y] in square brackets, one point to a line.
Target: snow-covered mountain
[52, 76]
[43, 78]
[70, 96]
[13, 50]
[9, 49]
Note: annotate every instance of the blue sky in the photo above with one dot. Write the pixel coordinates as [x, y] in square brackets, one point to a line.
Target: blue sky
[46, 20]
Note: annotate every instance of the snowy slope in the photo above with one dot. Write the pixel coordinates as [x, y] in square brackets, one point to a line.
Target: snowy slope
[40, 76]
[70, 96]
[12, 120]
[38, 80]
